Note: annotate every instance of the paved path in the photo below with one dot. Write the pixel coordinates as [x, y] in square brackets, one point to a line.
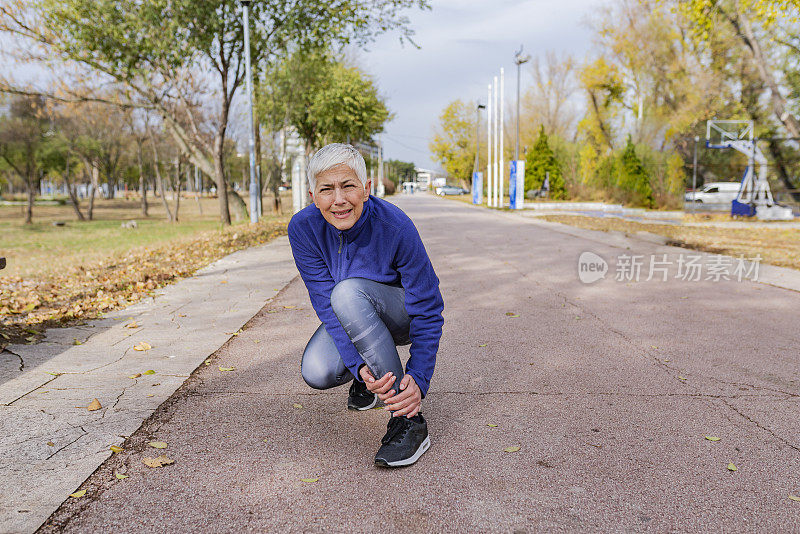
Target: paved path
[50, 443]
[608, 390]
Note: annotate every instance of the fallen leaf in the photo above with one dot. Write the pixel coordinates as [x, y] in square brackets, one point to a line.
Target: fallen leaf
[137, 375]
[482, 345]
[296, 405]
[256, 341]
[116, 448]
[142, 346]
[653, 347]
[667, 361]
[224, 282]
[681, 378]
[290, 307]
[227, 368]
[158, 444]
[732, 467]
[272, 311]
[712, 438]
[157, 462]
[490, 425]
[76, 341]
[120, 477]
[207, 362]
[181, 315]
[94, 405]
[78, 494]
[149, 372]
[232, 333]
[151, 395]
[512, 314]
[51, 444]
[309, 479]
[511, 449]
[132, 325]
[794, 497]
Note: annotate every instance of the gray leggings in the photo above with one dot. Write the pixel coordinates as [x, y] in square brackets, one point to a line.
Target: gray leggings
[374, 317]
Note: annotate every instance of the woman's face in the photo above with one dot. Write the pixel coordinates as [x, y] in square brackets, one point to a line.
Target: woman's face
[340, 196]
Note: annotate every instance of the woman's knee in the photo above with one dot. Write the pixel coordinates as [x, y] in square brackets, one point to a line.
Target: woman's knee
[346, 294]
[316, 374]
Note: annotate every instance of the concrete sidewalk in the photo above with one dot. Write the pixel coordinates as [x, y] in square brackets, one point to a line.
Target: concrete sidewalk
[607, 389]
[50, 443]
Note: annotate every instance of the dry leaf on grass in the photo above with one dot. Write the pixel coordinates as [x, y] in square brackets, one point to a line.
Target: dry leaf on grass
[142, 346]
[158, 444]
[94, 405]
[157, 462]
[511, 449]
[78, 494]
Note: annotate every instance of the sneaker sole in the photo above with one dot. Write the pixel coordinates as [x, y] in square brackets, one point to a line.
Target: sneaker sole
[424, 446]
[356, 408]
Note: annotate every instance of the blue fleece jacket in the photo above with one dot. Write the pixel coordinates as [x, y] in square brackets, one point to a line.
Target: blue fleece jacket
[384, 246]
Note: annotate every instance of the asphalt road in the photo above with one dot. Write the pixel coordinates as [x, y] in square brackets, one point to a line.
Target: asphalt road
[608, 389]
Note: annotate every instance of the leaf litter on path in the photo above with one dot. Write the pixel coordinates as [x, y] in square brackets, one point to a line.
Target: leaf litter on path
[142, 346]
[157, 462]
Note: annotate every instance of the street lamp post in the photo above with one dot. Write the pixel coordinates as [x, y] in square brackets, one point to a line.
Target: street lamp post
[519, 59]
[694, 173]
[477, 134]
[251, 126]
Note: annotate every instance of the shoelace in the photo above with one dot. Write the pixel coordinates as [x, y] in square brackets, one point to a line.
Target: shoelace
[397, 427]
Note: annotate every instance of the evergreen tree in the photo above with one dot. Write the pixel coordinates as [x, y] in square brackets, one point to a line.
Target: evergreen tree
[632, 178]
[541, 162]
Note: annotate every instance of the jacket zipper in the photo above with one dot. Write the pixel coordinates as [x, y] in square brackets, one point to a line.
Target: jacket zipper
[340, 243]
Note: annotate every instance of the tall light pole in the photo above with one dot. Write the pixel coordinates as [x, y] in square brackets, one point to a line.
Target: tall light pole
[477, 133]
[694, 172]
[251, 126]
[519, 59]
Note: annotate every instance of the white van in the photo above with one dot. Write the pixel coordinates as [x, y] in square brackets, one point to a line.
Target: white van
[714, 193]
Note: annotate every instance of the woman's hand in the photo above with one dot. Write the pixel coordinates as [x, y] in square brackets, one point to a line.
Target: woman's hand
[408, 401]
[382, 387]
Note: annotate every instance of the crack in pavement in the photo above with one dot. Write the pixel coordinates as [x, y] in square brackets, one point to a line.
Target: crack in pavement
[21, 361]
[759, 425]
[31, 391]
[84, 433]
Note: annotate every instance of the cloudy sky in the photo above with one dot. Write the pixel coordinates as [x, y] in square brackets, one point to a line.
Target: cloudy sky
[463, 44]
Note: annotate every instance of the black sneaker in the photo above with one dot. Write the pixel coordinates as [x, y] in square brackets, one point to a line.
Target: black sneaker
[360, 397]
[405, 441]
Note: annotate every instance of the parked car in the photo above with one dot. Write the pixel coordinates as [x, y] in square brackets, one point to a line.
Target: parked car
[450, 190]
[714, 193]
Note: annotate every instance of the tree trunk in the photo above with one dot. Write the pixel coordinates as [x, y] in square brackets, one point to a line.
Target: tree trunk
[258, 170]
[177, 186]
[29, 206]
[73, 198]
[94, 181]
[142, 181]
[780, 165]
[219, 179]
[240, 212]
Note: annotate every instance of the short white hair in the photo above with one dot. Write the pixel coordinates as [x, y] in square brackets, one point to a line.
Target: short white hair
[332, 155]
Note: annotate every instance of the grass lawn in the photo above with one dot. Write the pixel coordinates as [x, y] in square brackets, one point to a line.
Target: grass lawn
[59, 275]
